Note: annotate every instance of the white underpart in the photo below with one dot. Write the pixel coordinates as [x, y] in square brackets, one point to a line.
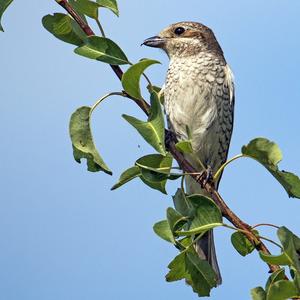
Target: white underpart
[199, 94]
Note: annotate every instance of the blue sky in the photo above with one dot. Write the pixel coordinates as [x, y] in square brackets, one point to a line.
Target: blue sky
[64, 234]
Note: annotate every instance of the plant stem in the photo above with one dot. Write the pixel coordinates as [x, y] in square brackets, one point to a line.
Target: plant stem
[197, 238]
[148, 80]
[182, 185]
[100, 28]
[104, 97]
[234, 228]
[219, 172]
[226, 211]
[258, 236]
[89, 32]
[240, 230]
[266, 224]
[183, 192]
[271, 241]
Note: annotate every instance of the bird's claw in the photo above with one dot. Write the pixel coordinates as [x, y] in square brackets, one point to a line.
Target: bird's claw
[206, 176]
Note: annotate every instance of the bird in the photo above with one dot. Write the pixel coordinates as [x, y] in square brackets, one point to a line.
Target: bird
[199, 101]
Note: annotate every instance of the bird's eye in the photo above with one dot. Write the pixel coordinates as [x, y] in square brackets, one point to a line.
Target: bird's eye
[179, 30]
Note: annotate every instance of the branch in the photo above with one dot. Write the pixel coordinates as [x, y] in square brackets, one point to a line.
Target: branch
[89, 32]
[226, 211]
[183, 163]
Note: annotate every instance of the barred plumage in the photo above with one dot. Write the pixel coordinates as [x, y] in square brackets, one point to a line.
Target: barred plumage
[199, 102]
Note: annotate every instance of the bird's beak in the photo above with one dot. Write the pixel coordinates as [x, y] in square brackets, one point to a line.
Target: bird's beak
[154, 41]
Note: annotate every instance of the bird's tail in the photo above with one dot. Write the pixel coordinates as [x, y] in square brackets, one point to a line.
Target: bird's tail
[205, 247]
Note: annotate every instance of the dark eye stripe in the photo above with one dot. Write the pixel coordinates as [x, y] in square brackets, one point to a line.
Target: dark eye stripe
[179, 30]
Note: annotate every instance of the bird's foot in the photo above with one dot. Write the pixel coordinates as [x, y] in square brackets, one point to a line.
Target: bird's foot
[170, 137]
[206, 176]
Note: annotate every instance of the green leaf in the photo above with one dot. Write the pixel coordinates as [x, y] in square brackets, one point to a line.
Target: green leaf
[110, 4]
[3, 6]
[241, 244]
[276, 276]
[82, 140]
[202, 276]
[177, 268]
[146, 168]
[87, 7]
[289, 181]
[153, 131]
[269, 155]
[156, 89]
[258, 293]
[206, 215]
[155, 167]
[263, 150]
[64, 28]
[281, 259]
[290, 244]
[181, 203]
[198, 273]
[277, 288]
[175, 219]
[131, 78]
[102, 49]
[296, 277]
[156, 163]
[184, 147]
[127, 176]
[185, 242]
[153, 176]
[163, 230]
[282, 290]
[174, 176]
[159, 186]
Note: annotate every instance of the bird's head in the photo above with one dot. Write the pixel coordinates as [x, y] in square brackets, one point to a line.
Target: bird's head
[185, 39]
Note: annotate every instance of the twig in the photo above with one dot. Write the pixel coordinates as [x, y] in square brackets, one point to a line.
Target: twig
[89, 32]
[265, 224]
[258, 235]
[271, 241]
[103, 98]
[100, 28]
[183, 163]
[226, 211]
[219, 172]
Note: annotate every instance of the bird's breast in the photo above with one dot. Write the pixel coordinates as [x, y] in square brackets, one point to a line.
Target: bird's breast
[189, 101]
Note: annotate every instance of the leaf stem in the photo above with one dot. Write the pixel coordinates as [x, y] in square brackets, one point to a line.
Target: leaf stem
[234, 228]
[199, 161]
[89, 32]
[258, 236]
[182, 185]
[191, 173]
[266, 224]
[183, 192]
[219, 172]
[104, 97]
[271, 241]
[197, 238]
[100, 28]
[148, 80]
